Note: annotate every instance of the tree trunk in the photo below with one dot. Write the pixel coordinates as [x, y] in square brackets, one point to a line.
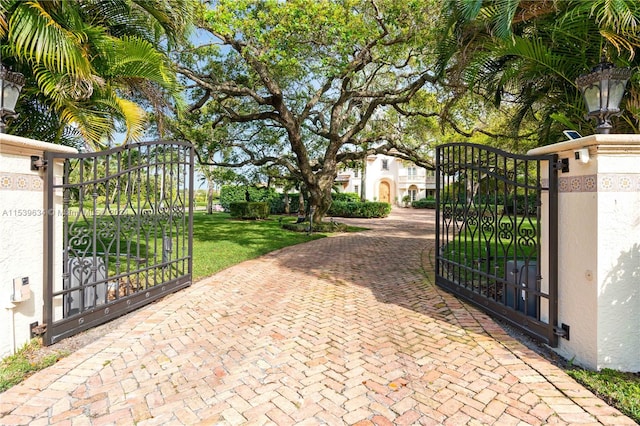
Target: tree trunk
[209, 196]
[286, 203]
[320, 199]
[300, 202]
[363, 180]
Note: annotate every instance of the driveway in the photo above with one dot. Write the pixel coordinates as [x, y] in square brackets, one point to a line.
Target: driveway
[348, 329]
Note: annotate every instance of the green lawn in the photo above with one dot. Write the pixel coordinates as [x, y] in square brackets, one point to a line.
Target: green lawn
[621, 390]
[494, 243]
[220, 242]
[26, 361]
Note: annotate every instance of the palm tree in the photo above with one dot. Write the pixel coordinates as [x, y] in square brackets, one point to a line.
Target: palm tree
[85, 60]
[529, 53]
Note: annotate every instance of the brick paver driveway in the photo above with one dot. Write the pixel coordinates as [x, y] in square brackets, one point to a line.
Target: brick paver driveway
[343, 330]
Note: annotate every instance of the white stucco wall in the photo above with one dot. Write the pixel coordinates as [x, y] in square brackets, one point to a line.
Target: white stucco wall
[22, 218]
[619, 259]
[599, 251]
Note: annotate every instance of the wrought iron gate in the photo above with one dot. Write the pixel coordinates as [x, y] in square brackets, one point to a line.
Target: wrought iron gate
[126, 228]
[496, 233]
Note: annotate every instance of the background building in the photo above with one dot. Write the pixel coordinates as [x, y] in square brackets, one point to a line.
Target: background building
[389, 179]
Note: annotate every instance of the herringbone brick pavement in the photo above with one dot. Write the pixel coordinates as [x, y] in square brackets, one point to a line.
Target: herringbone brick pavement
[344, 330]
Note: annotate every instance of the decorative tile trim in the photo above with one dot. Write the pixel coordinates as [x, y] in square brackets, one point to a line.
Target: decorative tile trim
[577, 184]
[600, 183]
[20, 182]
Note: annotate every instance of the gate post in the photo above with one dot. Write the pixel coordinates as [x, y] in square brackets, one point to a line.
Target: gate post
[599, 250]
[23, 241]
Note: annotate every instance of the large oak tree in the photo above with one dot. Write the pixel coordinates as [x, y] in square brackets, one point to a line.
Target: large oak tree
[306, 85]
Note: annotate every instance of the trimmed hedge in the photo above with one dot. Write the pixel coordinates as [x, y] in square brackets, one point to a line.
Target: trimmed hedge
[523, 205]
[359, 209]
[425, 203]
[237, 194]
[346, 196]
[249, 210]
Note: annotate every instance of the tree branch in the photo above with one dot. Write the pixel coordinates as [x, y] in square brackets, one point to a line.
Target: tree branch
[457, 129]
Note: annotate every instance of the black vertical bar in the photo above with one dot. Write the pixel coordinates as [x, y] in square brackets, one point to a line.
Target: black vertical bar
[49, 252]
[469, 167]
[553, 250]
[66, 266]
[457, 229]
[438, 210]
[501, 288]
[191, 182]
[94, 256]
[539, 237]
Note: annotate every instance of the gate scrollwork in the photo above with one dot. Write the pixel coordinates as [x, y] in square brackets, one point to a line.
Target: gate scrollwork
[489, 234]
[126, 231]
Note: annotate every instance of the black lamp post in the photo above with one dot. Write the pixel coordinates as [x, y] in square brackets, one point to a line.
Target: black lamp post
[602, 89]
[11, 84]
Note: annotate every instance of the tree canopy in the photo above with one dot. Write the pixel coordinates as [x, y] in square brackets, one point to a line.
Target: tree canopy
[527, 54]
[87, 62]
[299, 88]
[306, 85]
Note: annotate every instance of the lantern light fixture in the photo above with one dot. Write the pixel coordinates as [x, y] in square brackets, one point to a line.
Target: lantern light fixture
[11, 84]
[602, 90]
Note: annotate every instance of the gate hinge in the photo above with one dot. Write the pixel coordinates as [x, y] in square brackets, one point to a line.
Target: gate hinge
[38, 163]
[562, 331]
[37, 330]
[562, 165]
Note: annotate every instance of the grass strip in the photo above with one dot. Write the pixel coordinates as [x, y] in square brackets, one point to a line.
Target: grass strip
[26, 361]
[620, 390]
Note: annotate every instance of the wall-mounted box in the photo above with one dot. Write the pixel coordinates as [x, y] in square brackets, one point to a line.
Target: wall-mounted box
[21, 289]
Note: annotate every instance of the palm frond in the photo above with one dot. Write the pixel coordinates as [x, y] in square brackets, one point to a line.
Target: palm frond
[172, 15]
[619, 15]
[93, 124]
[137, 58]
[621, 43]
[37, 37]
[470, 9]
[3, 20]
[536, 52]
[503, 18]
[133, 116]
[42, 123]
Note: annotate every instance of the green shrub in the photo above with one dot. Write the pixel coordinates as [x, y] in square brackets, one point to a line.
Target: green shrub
[200, 197]
[237, 194]
[365, 209]
[346, 196]
[424, 203]
[524, 205]
[249, 210]
[87, 201]
[277, 203]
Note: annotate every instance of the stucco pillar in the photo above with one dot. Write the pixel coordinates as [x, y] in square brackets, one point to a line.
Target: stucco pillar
[599, 250]
[22, 219]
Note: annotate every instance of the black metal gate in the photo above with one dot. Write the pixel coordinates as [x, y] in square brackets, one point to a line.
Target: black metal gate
[126, 227]
[496, 233]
